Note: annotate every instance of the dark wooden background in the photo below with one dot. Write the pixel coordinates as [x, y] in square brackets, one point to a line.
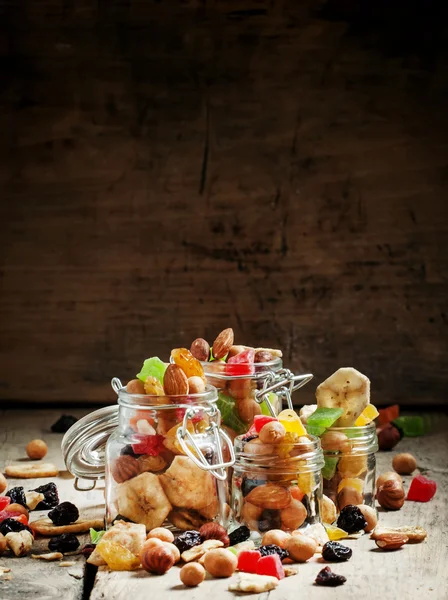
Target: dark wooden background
[172, 168]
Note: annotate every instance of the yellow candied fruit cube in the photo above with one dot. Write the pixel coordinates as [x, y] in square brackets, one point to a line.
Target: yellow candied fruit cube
[117, 557]
[291, 422]
[368, 414]
[306, 482]
[335, 533]
[351, 482]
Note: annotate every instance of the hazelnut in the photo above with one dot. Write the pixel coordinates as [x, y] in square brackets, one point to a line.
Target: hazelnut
[3, 544]
[157, 560]
[294, 515]
[387, 476]
[161, 533]
[301, 547]
[404, 463]
[174, 551]
[241, 389]
[192, 574]
[263, 356]
[152, 543]
[135, 386]
[275, 536]
[196, 385]
[36, 449]
[124, 467]
[200, 349]
[336, 441]
[391, 495]
[349, 495]
[370, 516]
[214, 531]
[388, 436]
[328, 512]
[220, 562]
[255, 446]
[3, 483]
[272, 433]
[18, 508]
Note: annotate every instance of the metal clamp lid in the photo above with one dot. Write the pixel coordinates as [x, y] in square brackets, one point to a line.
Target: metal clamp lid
[283, 382]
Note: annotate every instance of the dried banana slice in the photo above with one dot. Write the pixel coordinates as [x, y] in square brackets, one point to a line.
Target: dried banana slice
[348, 389]
[256, 584]
[142, 500]
[46, 527]
[32, 470]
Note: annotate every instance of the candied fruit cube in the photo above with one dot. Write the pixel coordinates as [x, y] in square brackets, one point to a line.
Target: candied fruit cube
[410, 426]
[117, 557]
[148, 444]
[335, 533]
[270, 565]
[247, 561]
[292, 422]
[387, 415]
[152, 367]
[4, 501]
[368, 414]
[324, 417]
[241, 364]
[422, 489]
[351, 482]
[261, 420]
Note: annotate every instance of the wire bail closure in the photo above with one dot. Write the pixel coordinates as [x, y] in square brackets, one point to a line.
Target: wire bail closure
[283, 382]
[218, 469]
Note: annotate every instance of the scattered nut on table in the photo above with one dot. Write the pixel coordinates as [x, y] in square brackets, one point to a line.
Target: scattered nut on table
[391, 541]
[36, 449]
[192, 574]
[404, 463]
[19, 542]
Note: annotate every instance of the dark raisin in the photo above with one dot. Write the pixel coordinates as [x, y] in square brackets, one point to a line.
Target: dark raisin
[8, 525]
[128, 451]
[351, 519]
[336, 552]
[67, 542]
[87, 550]
[270, 519]
[64, 514]
[306, 503]
[239, 535]
[273, 549]
[51, 497]
[251, 436]
[327, 577]
[247, 485]
[17, 495]
[63, 424]
[187, 540]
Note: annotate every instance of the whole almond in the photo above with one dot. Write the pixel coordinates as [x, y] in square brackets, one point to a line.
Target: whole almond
[200, 349]
[391, 541]
[269, 496]
[223, 343]
[175, 382]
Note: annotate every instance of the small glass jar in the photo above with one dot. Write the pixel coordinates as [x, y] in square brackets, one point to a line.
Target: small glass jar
[276, 486]
[250, 389]
[163, 458]
[349, 471]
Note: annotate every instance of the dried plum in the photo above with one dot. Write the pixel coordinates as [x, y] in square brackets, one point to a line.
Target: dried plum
[247, 485]
[328, 578]
[17, 495]
[67, 542]
[273, 549]
[187, 540]
[51, 497]
[63, 424]
[336, 552]
[351, 519]
[8, 525]
[270, 519]
[64, 514]
[239, 535]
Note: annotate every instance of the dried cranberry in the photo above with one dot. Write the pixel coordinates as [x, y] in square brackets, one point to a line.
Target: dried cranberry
[51, 497]
[63, 424]
[328, 578]
[273, 549]
[17, 495]
[239, 535]
[67, 542]
[64, 514]
[336, 552]
[8, 525]
[187, 540]
[351, 519]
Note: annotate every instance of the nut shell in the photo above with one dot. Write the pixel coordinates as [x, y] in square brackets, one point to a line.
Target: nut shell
[301, 547]
[157, 559]
[192, 574]
[36, 449]
[214, 531]
[404, 463]
[387, 476]
[391, 495]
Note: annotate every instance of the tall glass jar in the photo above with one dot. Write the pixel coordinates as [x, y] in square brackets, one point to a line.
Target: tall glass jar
[349, 470]
[163, 460]
[249, 389]
[277, 486]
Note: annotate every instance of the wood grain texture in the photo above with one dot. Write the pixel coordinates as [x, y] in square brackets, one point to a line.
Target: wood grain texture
[169, 169]
[31, 578]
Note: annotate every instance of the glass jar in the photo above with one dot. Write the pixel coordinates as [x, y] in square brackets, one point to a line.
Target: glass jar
[249, 389]
[349, 470]
[278, 489]
[161, 456]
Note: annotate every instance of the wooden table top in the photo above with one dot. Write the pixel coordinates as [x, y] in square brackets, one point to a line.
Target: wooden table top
[416, 571]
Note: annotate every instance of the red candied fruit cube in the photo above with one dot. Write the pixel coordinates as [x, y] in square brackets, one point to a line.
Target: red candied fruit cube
[248, 560]
[261, 420]
[271, 565]
[148, 444]
[241, 364]
[10, 514]
[421, 489]
[4, 501]
[20, 518]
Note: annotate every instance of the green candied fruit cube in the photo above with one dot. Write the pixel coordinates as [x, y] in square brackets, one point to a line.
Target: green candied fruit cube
[329, 469]
[152, 367]
[410, 426]
[324, 417]
[264, 407]
[229, 416]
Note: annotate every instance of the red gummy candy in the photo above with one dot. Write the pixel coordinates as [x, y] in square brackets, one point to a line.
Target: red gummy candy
[10, 514]
[148, 444]
[261, 420]
[4, 501]
[421, 489]
[248, 560]
[271, 565]
[241, 364]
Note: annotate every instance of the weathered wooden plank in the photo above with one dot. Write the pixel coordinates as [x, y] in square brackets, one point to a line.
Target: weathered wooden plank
[414, 572]
[32, 578]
